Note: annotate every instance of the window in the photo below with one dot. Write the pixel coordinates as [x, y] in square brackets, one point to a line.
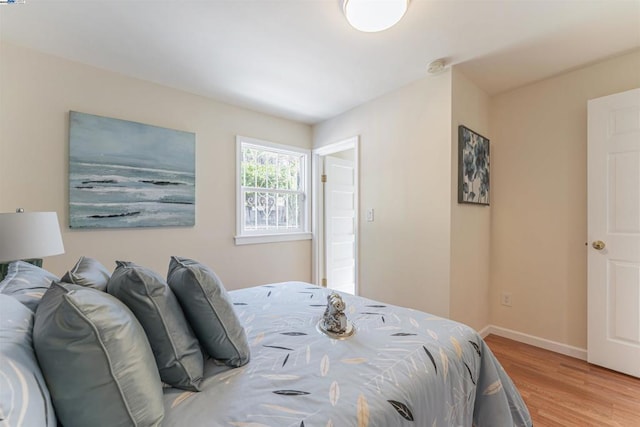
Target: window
[272, 194]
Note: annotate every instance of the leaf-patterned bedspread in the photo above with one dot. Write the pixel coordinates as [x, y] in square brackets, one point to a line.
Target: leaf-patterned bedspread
[401, 368]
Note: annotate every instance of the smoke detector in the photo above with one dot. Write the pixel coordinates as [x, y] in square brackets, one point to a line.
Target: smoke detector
[436, 66]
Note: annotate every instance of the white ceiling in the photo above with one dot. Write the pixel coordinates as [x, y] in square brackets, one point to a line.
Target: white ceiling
[300, 59]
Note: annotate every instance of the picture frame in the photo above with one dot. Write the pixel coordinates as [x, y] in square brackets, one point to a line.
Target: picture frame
[473, 167]
[125, 174]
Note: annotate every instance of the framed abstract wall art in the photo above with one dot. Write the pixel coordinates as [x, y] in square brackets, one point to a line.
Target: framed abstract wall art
[473, 167]
[128, 174]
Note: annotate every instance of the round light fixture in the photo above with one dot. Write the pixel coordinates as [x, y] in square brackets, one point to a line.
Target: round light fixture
[371, 16]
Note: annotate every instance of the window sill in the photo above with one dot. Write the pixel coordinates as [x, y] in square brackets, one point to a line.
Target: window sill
[271, 238]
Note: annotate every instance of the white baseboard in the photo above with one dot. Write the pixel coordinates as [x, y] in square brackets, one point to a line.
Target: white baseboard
[567, 350]
[485, 331]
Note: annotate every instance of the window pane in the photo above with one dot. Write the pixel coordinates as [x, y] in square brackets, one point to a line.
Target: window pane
[246, 162]
[272, 211]
[248, 166]
[243, 171]
[263, 211]
[282, 213]
[270, 170]
[295, 213]
[295, 175]
[288, 172]
[250, 211]
[288, 212]
[271, 188]
[258, 173]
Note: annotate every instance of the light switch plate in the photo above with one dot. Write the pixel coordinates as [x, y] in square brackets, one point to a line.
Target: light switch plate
[370, 215]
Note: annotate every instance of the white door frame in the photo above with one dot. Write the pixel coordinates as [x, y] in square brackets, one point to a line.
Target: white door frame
[317, 223]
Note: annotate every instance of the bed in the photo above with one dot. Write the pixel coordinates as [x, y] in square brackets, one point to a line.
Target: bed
[401, 367]
[99, 363]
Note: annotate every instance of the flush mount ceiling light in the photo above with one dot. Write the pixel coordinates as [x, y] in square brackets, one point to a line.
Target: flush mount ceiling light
[374, 15]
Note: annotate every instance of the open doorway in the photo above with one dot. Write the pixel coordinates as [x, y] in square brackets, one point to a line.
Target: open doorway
[335, 216]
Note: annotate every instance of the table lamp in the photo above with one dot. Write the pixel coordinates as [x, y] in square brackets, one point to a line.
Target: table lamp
[28, 236]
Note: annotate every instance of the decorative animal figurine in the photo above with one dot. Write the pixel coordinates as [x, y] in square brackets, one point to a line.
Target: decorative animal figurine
[335, 320]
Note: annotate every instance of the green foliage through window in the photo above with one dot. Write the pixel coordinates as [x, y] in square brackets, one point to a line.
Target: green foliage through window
[272, 190]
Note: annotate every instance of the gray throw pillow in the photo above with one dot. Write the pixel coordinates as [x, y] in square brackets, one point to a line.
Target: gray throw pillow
[96, 359]
[27, 283]
[172, 340]
[88, 272]
[24, 398]
[209, 310]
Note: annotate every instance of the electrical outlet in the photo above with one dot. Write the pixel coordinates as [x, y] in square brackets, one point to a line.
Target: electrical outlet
[505, 299]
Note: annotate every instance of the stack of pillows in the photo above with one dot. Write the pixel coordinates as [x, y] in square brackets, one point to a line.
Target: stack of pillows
[106, 343]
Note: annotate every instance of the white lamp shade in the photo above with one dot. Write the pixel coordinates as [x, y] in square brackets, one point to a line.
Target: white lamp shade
[29, 235]
[374, 15]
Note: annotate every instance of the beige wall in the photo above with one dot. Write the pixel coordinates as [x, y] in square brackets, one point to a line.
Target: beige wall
[37, 93]
[539, 199]
[423, 250]
[405, 173]
[470, 224]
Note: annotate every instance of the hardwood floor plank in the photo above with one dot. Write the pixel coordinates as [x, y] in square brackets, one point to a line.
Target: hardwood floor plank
[562, 391]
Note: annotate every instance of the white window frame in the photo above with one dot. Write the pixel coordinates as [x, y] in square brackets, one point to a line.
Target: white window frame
[245, 237]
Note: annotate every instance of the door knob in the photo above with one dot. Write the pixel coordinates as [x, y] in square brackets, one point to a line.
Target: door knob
[598, 244]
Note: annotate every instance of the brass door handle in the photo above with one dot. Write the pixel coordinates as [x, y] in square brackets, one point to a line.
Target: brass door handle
[598, 245]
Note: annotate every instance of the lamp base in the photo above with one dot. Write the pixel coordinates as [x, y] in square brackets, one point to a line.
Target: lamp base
[4, 268]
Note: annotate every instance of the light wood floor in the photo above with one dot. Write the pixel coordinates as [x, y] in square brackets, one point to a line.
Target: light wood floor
[563, 391]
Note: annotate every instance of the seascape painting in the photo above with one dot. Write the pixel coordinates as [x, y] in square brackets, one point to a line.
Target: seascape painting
[128, 174]
[473, 167]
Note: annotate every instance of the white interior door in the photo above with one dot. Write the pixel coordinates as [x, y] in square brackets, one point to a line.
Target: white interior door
[340, 210]
[614, 232]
